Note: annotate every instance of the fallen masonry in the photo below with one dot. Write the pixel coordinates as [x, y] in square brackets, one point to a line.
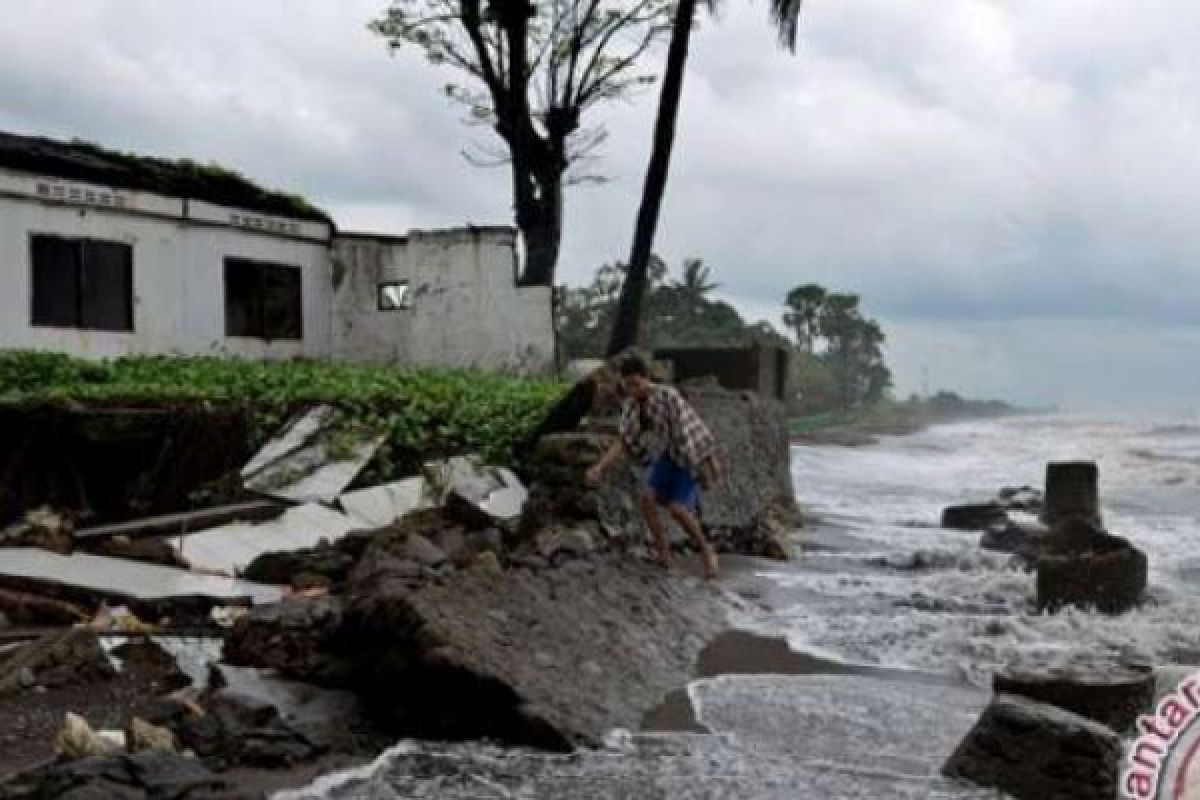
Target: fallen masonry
[554, 657]
[452, 604]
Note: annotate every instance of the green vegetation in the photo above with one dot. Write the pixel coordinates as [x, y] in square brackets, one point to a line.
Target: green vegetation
[836, 351]
[838, 356]
[679, 313]
[425, 412]
[85, 161]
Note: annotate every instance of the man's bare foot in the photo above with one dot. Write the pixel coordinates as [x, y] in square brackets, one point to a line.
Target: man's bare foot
[712, 568]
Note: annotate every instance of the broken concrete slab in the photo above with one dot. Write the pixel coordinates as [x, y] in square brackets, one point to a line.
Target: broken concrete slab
[440, 662]
[230, 548]
[1032, 751]
[380, 506]
[318, 454]
[183, 522]
[478, 493]
[99, 577]
[328, 718]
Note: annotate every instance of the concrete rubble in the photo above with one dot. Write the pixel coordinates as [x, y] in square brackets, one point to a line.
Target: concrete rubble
[230, 548]
[446, 605]
[83, 575]
[316, 456]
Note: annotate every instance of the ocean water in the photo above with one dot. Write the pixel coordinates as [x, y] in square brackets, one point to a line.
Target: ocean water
[878, 584]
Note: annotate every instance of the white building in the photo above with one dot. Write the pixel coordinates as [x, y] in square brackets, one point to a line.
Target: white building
[104, 255]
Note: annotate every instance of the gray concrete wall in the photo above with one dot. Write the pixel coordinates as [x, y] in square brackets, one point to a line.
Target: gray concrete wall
[465, 307]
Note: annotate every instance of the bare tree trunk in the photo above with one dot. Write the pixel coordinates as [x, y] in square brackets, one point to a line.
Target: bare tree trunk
[633, 290]
[540, 223]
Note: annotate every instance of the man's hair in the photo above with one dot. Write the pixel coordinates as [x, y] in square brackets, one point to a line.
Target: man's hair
[634, 365]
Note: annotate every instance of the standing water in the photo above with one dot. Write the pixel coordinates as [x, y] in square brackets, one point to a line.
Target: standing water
[878, 585]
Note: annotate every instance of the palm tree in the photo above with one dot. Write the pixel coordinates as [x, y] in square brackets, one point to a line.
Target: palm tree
[785, 15]
[805, 305]
[695, 285]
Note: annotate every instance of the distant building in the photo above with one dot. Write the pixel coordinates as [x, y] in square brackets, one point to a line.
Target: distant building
[757, 367]
[104, 254]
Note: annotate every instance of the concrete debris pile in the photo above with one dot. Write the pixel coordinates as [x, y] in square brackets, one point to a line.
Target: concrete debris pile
[751, 512]
[134, 724]
[1060, 536]
[1055, 730]
[197, 568]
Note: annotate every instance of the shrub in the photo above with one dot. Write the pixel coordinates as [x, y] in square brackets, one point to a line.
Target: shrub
[424, 412]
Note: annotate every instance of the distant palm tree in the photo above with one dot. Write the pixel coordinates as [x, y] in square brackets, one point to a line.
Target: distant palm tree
[785, 15]
[695, 285]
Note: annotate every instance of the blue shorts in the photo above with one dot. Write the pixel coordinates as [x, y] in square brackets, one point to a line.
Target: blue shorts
[671, 483]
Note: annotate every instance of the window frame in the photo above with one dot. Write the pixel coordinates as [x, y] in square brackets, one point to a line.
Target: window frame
[82, 314]
[406, 304]
[266, 277]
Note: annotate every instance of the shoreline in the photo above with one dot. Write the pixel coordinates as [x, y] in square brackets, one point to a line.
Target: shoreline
[865, 431]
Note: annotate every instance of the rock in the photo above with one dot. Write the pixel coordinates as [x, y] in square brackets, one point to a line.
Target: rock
[149, 775]
[42, 528]
[326, 720]
[529, 561]
[434, 663]
[487, 562]
[490, 539]
[1087, 568]
[76, 740]
[1072, 490]
[251, 733]
[71, 657]
[1024, 498]
[144, 654]
[453, 544]
[421, 550]
[25, 678]
[329, 561]
[1112, 696]
[141, 735]
[973, 517]
[149, 550]
[170, 711]
[572, 542]
[288, 636]
[1028, 540]
[308, 581]
[1035, 751]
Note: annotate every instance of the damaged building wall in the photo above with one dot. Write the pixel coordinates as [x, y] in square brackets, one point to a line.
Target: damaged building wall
[178, 250]
[440, 297]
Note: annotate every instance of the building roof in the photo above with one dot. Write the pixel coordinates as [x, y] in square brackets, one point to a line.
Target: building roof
[89, 163]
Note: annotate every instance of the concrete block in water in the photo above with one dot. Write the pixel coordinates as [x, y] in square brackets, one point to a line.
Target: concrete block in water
[1072, 490]
[1035, 751]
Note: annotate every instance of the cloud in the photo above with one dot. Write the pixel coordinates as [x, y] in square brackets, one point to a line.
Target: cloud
[978, 170]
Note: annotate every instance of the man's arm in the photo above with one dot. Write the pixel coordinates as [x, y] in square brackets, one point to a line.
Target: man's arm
[614, 454]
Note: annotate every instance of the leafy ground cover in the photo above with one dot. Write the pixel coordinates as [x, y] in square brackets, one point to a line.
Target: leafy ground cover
[425, 412]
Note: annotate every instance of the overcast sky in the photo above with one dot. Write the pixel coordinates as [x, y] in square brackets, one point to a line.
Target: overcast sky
[1009, 184]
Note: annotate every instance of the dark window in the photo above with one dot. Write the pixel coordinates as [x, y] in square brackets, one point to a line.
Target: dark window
[393, 296]
[82, 283]
[263, 300]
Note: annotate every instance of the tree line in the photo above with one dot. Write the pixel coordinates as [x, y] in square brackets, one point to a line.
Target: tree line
[836, 351]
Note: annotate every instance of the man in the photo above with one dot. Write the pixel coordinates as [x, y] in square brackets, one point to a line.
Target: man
[665, 435]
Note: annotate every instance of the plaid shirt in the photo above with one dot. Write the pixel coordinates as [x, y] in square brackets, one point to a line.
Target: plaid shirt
[665, 421]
